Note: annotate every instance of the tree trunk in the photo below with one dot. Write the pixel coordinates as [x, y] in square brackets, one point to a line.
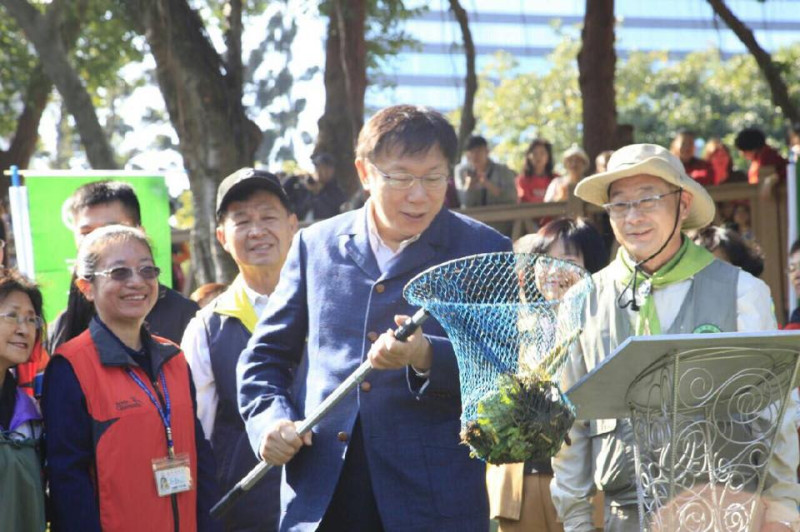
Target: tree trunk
[216, 136]
[471, 81]
[345, 85]
[596, 64]
[26, 134]
[780, 94]
[39, 30]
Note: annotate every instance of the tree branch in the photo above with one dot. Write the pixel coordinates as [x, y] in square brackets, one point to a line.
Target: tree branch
[777, 86]
[39, 30]
[471, 81]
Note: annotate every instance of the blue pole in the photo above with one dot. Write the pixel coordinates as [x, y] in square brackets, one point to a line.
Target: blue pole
[14, 175]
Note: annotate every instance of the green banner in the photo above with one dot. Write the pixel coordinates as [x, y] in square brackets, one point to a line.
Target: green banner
[53, 244]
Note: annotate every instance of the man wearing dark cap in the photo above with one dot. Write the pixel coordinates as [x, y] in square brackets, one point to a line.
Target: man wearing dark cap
[326, 196]
[482, 181]
[255, 226]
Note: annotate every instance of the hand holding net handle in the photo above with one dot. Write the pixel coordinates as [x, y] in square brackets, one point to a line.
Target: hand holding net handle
[357, 377]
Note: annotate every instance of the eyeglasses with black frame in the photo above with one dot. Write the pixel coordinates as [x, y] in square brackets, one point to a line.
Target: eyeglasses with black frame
[123, 273]
[619, 209]
[15, 318]
[403, 181]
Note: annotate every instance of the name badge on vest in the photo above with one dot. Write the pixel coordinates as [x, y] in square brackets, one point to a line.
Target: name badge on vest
[173, 474]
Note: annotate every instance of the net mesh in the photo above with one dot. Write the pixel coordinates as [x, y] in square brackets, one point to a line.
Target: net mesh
[511, 319]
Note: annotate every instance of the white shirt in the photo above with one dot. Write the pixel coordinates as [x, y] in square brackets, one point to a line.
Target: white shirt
[383, 253]
[195, 348]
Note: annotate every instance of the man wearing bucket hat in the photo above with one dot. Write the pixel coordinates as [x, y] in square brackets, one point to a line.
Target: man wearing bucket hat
[659, 283]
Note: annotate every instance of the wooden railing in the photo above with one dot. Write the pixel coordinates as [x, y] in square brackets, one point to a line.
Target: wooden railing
[768, 217]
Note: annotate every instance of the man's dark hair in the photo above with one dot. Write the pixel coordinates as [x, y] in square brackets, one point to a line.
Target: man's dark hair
[579, 237]
[476, 141]
[105, 192]
[406, 130]
[795, 247]
[548, 169]
[739, 252]
[750, 139]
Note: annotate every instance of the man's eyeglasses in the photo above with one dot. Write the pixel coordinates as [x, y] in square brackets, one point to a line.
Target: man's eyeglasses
[402, 181]
[123, 273]
[14, 318]
[794, 266]
[619, 209]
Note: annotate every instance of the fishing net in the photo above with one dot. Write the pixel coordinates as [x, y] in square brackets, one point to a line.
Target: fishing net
[512, 319]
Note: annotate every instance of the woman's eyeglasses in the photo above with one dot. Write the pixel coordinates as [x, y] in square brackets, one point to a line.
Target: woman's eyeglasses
[123, 273]
[14, 318]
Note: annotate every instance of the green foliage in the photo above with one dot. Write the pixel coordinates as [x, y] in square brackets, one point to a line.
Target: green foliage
[16, 61]
[525, 418]
[702, 92]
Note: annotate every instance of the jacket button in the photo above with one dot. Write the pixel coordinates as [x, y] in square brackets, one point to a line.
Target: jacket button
[366, 386]
[372, 336]
[380, 288]
[342, 436]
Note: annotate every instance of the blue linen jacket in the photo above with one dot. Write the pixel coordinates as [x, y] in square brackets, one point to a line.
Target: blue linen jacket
[330, 303]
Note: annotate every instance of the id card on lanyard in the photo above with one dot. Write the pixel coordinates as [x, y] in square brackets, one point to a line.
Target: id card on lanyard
[173, 473]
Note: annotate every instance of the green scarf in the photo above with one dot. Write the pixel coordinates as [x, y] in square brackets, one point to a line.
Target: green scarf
[689, 260]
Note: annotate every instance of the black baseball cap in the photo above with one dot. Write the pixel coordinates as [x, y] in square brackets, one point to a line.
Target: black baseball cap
[250, 179]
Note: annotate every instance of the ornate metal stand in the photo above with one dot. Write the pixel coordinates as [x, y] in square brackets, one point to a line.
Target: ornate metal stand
[705, 410]
[704, 436]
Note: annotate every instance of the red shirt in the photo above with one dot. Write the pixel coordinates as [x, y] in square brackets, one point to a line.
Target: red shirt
[531, 189]
[700, 170]
[764, 157]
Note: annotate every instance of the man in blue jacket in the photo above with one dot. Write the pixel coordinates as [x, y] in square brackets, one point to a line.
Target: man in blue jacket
[388, 456]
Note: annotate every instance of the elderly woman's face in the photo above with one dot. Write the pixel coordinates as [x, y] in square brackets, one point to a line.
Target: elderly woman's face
[575, 164]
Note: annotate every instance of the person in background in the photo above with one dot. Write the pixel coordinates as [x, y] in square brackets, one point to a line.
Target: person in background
[95, 205]
[793, 269]
[728, 245]
[481, 181]
[326, 197]
[601, 161]
[767, 167]
[21, 488]
[255, 227]
[651, 202]
[388, 456]
[532, 183]
[206, 293]
[519, 494]
[119, 406]
[576, 162]
[741, 221]
[719, 157]
[698, 169]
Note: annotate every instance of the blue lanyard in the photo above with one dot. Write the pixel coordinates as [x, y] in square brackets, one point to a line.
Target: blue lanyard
[164, 413]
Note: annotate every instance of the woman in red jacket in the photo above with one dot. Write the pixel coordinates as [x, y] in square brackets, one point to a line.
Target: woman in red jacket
[533, 181]
[124, 448]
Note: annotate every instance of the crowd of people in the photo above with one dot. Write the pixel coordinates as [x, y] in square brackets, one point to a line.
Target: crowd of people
[154, 405]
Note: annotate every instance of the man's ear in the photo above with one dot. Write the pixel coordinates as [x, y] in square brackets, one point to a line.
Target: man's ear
[293, 223]
[361, 168]
[85, 287]
[220, 232]
[686, 203]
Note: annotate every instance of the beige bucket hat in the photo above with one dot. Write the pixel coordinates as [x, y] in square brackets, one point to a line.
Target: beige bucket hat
[654, 160]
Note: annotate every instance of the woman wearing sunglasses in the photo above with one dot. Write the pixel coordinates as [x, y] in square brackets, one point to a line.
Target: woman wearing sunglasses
[21, 490]
[124, 448]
